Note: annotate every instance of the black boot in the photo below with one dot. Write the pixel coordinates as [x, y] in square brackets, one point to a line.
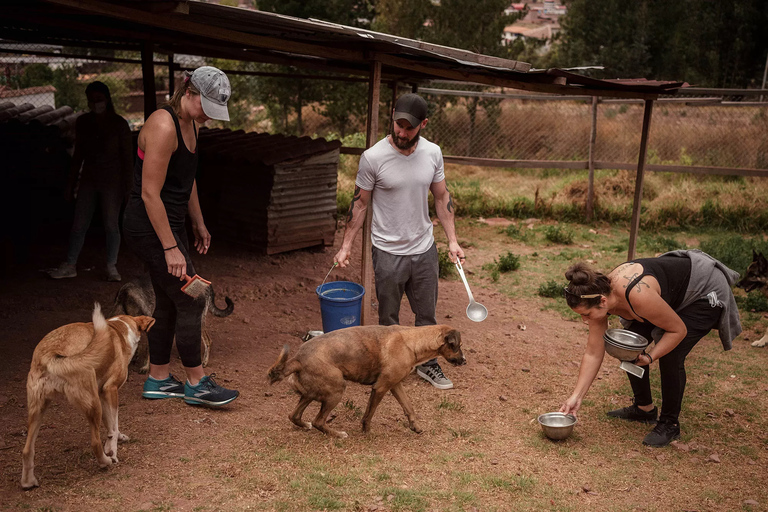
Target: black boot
[634, 413]
[662, 434]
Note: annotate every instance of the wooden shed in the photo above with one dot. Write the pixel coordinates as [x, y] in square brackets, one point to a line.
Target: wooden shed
[274, 192]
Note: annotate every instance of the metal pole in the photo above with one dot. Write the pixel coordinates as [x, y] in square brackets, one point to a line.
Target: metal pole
[148, 78]
[765, 73]
[374, 90]
[639, 180]
[592, 139]
[171, 78]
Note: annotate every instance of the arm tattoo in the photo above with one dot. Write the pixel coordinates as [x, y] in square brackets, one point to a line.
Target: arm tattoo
[641, 283]
[449, 206]
[355, 197]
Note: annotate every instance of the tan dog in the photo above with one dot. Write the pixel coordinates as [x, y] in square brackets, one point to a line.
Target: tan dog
[88, 363]
[373, 355]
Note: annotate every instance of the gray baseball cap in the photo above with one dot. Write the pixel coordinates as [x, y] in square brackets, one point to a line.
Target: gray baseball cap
[214, 89]
[412, 108]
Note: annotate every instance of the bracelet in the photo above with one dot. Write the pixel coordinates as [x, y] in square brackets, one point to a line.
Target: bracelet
[169, 248]
[649, 357]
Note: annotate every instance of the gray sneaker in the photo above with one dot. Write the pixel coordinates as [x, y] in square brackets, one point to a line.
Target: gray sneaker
[434, 375]
[64, 271]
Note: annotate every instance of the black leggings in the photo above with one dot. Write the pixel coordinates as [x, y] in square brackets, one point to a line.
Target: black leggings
[699, 319]
[176, 313]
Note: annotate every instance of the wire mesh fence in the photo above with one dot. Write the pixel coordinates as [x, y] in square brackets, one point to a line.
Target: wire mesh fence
[465, 120]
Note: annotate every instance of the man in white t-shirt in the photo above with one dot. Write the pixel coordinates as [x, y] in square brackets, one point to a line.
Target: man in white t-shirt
[396, 176]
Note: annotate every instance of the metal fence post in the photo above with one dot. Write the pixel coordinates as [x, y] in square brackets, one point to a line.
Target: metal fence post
[591, 181]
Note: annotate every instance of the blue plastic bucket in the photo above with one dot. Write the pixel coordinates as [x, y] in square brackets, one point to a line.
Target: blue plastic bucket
[341, 303]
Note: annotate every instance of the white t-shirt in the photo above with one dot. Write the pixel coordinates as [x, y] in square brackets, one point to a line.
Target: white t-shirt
[400, 193]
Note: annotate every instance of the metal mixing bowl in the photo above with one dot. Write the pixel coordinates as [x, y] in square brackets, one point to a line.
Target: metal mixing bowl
[621, 353]
[624, 345]
[557, 425]
[625, 338]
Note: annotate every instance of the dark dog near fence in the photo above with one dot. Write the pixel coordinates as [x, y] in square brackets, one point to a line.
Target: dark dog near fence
[137, 297]
[372, 355]
[756, 278]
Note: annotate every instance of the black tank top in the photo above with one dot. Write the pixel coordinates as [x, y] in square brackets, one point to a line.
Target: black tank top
[672, 274]
[176, 190]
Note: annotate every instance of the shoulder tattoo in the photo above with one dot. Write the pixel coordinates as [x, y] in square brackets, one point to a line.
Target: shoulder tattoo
[630, 279]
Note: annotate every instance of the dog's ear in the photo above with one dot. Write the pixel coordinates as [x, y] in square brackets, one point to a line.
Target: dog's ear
[762, 263]
[453, 338]
[144, 322]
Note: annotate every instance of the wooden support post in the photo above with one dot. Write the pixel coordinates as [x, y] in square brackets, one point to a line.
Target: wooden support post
[171, 77]
[392, 106]
[148, 78]
[374, 90]
[591, 185]
[639, 180]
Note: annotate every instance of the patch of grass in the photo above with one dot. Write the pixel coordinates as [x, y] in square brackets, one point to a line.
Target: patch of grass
[508, 262]
[461, 433]
[558, 235]
[516, 232]
[450, 406]
[754, 301]
[551, 289]
[354, 409]
[660, 243]
[406, 499]
[734, 251]
[446, 268]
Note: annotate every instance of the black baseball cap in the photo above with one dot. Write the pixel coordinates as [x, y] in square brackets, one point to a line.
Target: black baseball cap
[412, 108]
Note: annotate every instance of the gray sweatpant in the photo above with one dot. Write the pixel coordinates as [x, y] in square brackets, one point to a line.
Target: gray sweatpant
[416, 275]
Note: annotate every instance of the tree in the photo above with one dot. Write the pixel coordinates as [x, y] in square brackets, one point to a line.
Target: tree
[708, 43]
[405, 18]
[477, 26]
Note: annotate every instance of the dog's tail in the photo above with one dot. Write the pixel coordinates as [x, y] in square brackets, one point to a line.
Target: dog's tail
[216, 311]
[61, 363]
[282, 368]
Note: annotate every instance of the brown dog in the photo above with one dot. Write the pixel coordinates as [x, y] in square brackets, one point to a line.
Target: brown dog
[756, 278]
[88, 363]
[373, 355]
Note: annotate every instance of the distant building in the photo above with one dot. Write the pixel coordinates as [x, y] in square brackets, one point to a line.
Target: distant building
[541, 22]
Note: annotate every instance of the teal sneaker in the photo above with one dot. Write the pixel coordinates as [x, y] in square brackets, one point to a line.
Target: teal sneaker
[166, 388]
[207, 392]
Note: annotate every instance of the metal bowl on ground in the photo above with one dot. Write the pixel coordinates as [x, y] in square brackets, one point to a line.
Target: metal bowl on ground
[557, 425]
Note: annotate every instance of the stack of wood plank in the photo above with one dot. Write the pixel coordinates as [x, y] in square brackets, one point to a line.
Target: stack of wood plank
[273, 192]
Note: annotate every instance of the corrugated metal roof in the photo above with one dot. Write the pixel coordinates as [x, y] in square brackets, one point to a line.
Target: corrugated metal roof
[198, 28]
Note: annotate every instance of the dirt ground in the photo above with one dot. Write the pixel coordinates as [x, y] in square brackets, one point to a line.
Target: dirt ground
[523, 361]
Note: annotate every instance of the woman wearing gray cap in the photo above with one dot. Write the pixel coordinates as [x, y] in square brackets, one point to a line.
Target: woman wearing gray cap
[164, 192]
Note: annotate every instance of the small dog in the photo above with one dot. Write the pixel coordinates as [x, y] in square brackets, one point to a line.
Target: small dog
[372, 355]
[756, 277]
[88, 363]
[137, 297]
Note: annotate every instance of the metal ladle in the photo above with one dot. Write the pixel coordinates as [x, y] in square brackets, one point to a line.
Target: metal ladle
[475, 311]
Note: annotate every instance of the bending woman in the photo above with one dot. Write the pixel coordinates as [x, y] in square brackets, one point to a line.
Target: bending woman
[164, 192]
[675, 299]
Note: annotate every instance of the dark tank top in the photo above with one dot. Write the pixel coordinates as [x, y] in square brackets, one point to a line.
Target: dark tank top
[672, 274]
[176, 190]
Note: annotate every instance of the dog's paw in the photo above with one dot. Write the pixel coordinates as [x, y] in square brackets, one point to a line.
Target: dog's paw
[761, 342]
[122, 438]
[29, 483]
[341, 434]
[106, 462]
[416, 428]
